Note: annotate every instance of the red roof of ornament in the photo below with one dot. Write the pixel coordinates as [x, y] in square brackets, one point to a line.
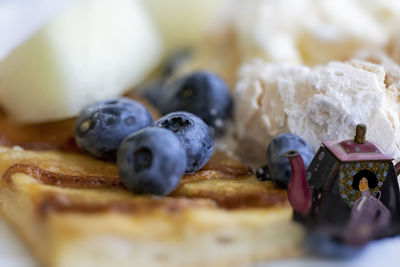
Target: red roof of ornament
[348, 150]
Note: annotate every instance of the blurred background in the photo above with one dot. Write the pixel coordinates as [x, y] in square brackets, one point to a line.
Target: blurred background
[97, 49]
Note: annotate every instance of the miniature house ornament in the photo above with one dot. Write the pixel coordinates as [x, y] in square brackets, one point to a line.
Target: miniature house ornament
[349, 191]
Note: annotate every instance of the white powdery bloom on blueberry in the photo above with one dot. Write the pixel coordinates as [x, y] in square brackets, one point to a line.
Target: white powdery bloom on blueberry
[193, 133]
[101, 127]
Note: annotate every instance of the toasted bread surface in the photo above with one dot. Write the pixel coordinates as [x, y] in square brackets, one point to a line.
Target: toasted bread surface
[72, 210]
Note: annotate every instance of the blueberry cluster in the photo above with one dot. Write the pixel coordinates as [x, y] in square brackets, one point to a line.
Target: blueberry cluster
[278, 169]
[151, 157]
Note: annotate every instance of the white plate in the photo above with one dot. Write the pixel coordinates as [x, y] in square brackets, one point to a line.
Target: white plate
[13, 253]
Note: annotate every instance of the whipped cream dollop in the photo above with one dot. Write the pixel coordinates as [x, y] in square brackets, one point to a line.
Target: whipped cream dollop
[322, 103]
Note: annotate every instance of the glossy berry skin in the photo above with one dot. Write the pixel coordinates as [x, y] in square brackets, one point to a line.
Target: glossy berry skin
[202, 93]
[151, 161]
[279, 166]
[101, 127]
[194, 135]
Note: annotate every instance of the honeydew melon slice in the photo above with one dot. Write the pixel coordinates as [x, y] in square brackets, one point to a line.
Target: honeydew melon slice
[95, 49]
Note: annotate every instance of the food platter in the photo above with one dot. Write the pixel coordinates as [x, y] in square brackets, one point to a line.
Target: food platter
[13, 253]
[255, 93]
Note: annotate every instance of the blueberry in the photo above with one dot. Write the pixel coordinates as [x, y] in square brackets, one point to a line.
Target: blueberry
[194, 135]
[154, 91]
[202, 93]
[279, 166]
[151, 161]
[327, 246]
[101, 127]
[175, 61]
[263, 173]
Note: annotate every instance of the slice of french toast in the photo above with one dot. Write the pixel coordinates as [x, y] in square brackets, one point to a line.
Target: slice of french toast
[73, 211]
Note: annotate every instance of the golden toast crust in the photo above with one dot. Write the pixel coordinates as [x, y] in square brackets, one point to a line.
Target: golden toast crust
[63, 201]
